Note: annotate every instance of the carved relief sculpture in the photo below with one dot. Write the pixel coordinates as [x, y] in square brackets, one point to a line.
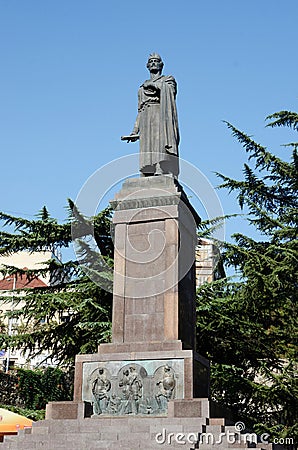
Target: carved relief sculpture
[165, 387]
[131, 385]
[131, 390]
[101, 386]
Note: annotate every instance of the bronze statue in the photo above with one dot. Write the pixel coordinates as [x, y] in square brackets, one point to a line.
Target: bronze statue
[157, 123]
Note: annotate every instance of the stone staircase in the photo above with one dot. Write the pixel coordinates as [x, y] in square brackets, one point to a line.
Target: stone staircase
[128, 433]
[131, 433]
[219, 433]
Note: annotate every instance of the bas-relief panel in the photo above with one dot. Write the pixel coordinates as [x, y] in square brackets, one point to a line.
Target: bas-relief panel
[132, 387]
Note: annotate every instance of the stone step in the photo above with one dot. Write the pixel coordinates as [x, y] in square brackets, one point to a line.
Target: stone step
[39, 430]
[129, 433]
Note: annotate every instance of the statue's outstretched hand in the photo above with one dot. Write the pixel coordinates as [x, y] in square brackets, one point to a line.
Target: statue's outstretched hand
[133, 137]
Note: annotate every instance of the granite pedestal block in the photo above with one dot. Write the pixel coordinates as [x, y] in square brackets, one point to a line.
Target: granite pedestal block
[154, 276]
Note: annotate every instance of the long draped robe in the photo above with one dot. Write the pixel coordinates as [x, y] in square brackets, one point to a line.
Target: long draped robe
[157, 124]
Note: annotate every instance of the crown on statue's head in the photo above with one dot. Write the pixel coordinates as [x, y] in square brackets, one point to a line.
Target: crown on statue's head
[155, 56]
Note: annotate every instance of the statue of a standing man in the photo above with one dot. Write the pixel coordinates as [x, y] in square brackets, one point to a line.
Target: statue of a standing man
[157, 124]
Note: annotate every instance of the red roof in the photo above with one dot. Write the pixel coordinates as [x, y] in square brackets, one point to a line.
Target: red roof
[20, 282]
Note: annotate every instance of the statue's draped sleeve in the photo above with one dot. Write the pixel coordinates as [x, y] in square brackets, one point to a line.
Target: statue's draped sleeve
[169, 130]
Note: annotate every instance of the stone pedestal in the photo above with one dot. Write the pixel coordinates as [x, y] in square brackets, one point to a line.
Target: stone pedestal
[152, 358]
[154, 276]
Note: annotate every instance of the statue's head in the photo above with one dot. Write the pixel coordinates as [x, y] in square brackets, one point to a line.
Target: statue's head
[154, 62]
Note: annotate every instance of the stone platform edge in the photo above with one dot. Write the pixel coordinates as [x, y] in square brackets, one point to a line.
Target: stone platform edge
[182, 408]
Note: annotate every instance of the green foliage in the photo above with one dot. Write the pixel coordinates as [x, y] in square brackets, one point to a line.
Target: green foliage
[64, 320]
[33, 389]
[73, 314]
[248, 327]
[9, 389]
[37, 387]
[284, 118]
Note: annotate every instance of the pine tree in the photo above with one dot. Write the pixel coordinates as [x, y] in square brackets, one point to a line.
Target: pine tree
[247, 324]
[73, 314]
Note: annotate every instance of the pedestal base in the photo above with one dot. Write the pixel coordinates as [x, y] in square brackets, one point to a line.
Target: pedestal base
[136, 379]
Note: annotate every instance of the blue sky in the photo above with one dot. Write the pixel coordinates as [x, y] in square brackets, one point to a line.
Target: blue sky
[69, 76]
